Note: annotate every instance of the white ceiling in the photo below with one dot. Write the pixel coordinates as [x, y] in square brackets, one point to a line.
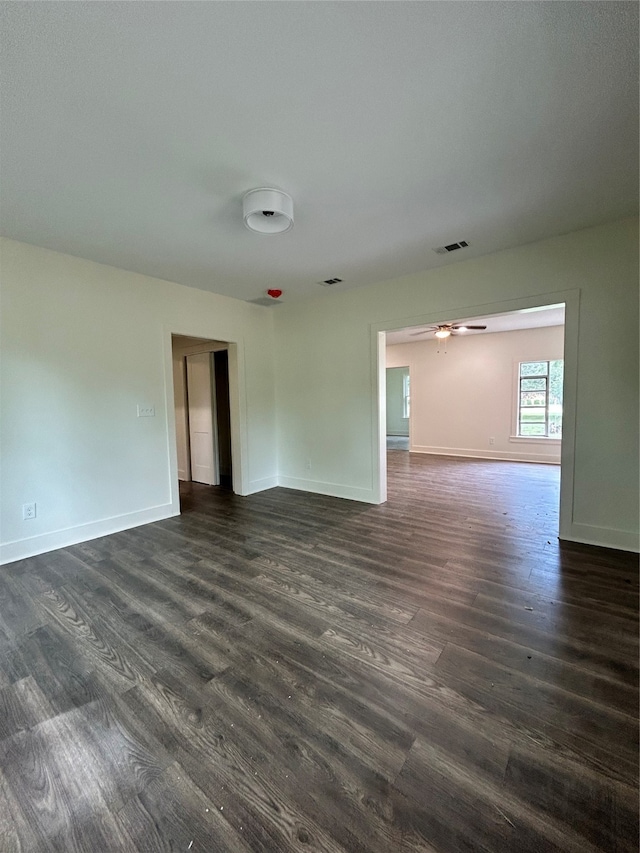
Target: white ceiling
[529, 318]
[130, 132]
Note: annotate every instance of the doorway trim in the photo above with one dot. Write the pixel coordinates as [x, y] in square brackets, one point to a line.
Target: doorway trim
[237, 407]
[571, 299]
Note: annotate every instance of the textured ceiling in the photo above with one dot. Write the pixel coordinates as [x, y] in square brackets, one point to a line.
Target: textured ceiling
[130, 132]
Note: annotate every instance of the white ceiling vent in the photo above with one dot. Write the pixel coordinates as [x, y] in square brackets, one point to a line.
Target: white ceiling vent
[329, 281]
[451, 247]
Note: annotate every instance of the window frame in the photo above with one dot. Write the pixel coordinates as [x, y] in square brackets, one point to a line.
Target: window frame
[516, 436]
[406, 395]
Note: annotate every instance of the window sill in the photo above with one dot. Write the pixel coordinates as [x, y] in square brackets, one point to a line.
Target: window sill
[525, 439]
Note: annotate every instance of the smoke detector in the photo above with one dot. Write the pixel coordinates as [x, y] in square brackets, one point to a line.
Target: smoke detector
[272, 297]
[267, 211]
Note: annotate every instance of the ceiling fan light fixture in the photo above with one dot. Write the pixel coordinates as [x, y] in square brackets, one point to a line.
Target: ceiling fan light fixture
[267, 211]
[443, 333]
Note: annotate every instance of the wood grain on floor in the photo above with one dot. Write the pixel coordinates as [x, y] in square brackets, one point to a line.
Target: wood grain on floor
[289, 672]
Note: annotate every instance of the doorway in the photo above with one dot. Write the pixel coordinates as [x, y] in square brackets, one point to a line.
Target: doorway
[422, 325]
[398, 407]
[202, 410]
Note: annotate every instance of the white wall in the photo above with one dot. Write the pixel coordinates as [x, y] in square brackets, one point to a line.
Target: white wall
[463, 397]
[326, 369]
[82, 345]
[397, 423]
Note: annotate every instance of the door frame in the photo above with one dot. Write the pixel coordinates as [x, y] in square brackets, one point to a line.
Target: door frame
[237, 406]
[571, 300]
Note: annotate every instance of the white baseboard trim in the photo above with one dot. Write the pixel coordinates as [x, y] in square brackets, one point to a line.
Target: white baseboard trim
[34, 545]
[336, 490]
[605, 537]
[261, 485]
[504, 455]
[585, 534]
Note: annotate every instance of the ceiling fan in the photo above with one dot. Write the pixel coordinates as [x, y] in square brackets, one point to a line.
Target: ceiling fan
[443, 330]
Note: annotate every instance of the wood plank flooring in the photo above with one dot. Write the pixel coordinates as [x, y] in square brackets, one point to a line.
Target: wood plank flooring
[293, 672]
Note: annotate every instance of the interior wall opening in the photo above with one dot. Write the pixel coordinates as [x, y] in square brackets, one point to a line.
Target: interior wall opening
[398, 381]
[489, 393]
[201, 388]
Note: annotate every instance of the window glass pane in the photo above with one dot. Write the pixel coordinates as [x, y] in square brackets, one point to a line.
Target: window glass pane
[533, 384]
[555, 424]
[534, 368]
[536, 416]
[532, 429]
[533, 398]
[556, 370]
[556, 373]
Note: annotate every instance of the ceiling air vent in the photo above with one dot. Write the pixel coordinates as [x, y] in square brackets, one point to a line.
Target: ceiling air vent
[444, 250]
[329, 281]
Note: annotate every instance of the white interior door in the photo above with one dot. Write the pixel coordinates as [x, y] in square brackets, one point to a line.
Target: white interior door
[182, 416]
[202, 421]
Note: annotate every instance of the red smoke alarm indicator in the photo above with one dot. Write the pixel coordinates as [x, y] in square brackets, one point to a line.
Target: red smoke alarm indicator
[274, 294]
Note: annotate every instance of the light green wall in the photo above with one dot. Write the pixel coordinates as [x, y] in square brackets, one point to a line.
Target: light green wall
[82, 345]
[397, 424]
[325, 394]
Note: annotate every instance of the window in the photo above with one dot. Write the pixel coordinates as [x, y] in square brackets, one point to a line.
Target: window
[406, 397]
[540, 399]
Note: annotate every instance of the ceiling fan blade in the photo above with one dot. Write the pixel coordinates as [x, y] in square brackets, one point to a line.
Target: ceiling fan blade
[423, 332]
[464, 326]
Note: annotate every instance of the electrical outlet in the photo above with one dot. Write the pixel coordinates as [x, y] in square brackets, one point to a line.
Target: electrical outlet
[146, 411]
[308, 465]
[28, 511]
[492, 441]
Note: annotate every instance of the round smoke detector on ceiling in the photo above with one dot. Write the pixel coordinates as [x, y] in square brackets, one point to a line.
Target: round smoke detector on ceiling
[267, 211]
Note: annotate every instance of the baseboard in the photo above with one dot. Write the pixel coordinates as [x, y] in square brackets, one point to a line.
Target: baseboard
[336, 490]
[34, 545]
[605, 537]
[261, 485]
[504, 455]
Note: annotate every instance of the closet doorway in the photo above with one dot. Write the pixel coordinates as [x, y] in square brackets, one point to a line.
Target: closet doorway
[202, 410]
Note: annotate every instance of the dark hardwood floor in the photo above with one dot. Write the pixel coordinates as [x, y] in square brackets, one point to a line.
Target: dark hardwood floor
[296, 672]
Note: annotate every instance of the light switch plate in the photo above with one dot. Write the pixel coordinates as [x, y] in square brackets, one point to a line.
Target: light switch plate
[146, 411]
